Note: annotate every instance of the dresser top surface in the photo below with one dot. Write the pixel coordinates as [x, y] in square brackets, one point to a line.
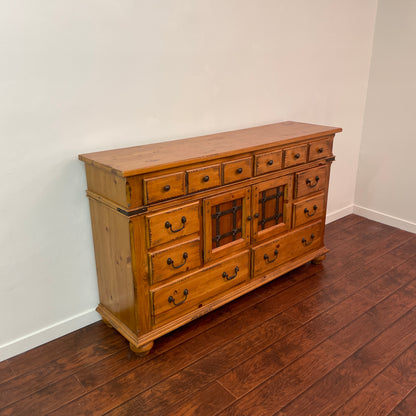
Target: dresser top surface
[137, 160]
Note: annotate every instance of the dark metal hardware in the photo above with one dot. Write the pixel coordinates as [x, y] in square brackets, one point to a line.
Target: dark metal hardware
[276, 217]
[308, 214]
[171, 299]
[297, 155]
[305, 243]
[170, 261]
[309, 182]
[239, 170]
[166, 188]
[249, 218]
[205, 178]
[225, 275]
[256, 215]
[267, 259]
[320, 150]
[168, 225]
[270, 162]
[131, 213]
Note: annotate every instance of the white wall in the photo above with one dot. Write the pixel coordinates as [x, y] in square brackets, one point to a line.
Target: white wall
[386, 182]
[79, 76]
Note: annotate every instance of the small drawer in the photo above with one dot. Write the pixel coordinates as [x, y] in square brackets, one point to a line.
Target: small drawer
[295, 156]
[320, 149]
[197, 289]
[269, 255]
[164, 187]
[268, 162]
[310, 181]
[203, 178]
[237, 170]
[171, 261]
[308, 210]
[169, 225]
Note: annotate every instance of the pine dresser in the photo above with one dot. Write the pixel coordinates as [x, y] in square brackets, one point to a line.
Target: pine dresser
[185, 226]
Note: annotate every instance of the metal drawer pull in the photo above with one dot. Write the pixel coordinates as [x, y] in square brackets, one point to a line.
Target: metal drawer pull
[166, 188]
[171, 299]
[308, 214]
[225, 275]
[305, 243]
[170, 261]
[168, 225]
[267, 259]
[270, 162]
[297, 155]
[205, 178]
[239, 170]
[309, 182]
[320, 150]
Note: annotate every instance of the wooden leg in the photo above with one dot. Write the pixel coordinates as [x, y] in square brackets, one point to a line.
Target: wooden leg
[143, 349]
[319, 259]
[107, 322]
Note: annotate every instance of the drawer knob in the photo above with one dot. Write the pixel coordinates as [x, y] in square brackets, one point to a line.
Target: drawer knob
[225, 275]
[270, 162]
[166, 188]
[171, 299]
[267, 259]
[168, 225]
[308, 213]
[170, 262]
[256, 215]
[297, 155]
[320, 150]
[309, 182]
[306, 243]
[239, 170]
[205, 178]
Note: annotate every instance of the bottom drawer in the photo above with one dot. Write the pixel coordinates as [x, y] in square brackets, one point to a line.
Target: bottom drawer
[196, 289]
[269, 255]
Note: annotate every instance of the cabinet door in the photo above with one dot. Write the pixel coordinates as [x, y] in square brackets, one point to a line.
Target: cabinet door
[271, 207]
[226, 223]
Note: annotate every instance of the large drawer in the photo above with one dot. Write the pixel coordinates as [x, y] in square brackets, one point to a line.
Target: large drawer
[197, 289]
[310, 181]
[171, 224]
[269, 255]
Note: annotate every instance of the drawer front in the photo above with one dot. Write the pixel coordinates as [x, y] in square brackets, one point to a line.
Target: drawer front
[197, 289]
[295, 156]
[269, 255]
[164, 187]
[310, 181]
[268, 162]
[237, 170]
[320, 149]
[169, 225]
[203, 178]
[172, 261]
[308, 210]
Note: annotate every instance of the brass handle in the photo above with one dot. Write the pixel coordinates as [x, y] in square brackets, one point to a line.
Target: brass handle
[239, 170]
[297, 155]
[267, 259]
[168, 225]
[205, 178]
[309, 182]
[305, 243]
[166, 188]
[225, 275]
[171, 262]
[171, 299]
[308, 214]
[270, 162]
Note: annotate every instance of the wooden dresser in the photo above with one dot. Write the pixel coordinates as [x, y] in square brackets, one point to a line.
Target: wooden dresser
[183, 227]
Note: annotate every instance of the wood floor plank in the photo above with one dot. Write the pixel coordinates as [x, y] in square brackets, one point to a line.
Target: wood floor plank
[5, 371]
[406, 407]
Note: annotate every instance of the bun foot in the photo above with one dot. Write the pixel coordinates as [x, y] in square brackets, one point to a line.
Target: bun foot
[318, 260]
[142, 350]
[107, 322]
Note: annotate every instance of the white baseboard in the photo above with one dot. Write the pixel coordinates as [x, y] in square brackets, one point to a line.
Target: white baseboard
[385, 218]
[336, 215]
[47, 334]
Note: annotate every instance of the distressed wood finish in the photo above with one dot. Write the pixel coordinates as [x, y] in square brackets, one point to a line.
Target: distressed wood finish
[183, 227]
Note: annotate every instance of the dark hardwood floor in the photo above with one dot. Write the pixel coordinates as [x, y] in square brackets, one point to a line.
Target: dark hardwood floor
[331, 339]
